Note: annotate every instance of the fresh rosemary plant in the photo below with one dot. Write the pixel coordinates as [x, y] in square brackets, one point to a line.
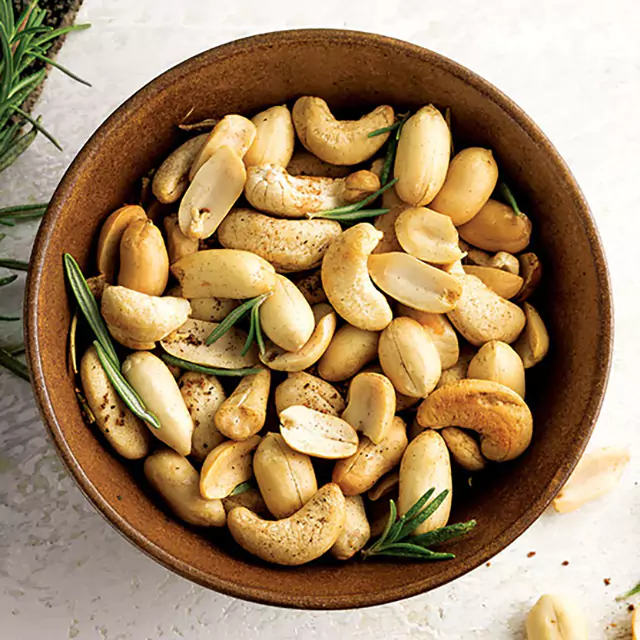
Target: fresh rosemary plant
[201, 368]
[395, 541]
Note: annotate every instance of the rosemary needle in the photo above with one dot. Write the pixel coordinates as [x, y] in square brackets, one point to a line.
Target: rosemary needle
[235, 316]
[13, 364]
[201, 368]
[508, 196]
[17, 265]
[8, 280]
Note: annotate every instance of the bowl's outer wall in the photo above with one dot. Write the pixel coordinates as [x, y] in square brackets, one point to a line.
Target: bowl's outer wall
[347, 69]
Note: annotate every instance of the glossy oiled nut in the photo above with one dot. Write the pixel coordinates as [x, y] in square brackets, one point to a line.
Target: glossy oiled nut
[497, 413]
[275, 138]
[286, 478]
[173, 477]
[346, 281]
[350, 350]
[302, 388]
[123, 431]
[289, 245]
[426, 464]
[409, 358]
[355, 531]
[339, 142]
[298, 539]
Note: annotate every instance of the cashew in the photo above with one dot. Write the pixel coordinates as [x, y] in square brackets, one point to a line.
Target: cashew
[226, 466]
[555, 617]
[173, 477]
[409, 358]
[497, 361]
[471, 179]
[371, 405]
[384, 486]
[359, 472]
[212, 193]
[250, 499]
[597, 473]
[428, 235]
[304, 163]
[295, 540]
[114, 226]
[271, 189]
[496, 227]
[188, 342]
[285, 477]
[422, 158]
[317, 434]
[311, 287]
[387, 224]
[234, 132]
[178, 245]
[339, 141]
[464, 449]
[171, 179]
[140, 317]
[275, 138]
[286, 317]
[159, 391]
[359, 185]
[346, 280]
[124, 432]
[504, 283]
[355, 531]
[532, 346]
[144, 263]
[497, 413]
[289, 245]
[304, 389]
[531, 269]
[244, 412]
[280, 360]
[501, 260]
[202, 394]
[414, 283]
[439, 328]
[349, 351]
[426, 464]
[224, 273]
[482, 315]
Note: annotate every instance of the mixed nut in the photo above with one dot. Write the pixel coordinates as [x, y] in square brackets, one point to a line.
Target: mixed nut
[342, 323]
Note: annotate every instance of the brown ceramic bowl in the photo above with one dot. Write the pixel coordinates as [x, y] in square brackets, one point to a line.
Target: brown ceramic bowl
[358, 70]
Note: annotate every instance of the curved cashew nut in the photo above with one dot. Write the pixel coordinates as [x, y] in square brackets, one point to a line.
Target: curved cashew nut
[346, 281]
[295, 540]
[272, 189]
[497, 413]
[339, 141]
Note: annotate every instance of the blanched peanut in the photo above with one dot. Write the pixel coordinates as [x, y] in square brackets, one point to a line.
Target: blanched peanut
[497, 361]
[244, 412]
[504, 283]
[178, 245]
[304, 389]
[355, 531]
[533, 344]
[464, 449]
[387, 224]
[555, 617]
[274, 140]
[285, 477]
[144, 263]
[349, 351]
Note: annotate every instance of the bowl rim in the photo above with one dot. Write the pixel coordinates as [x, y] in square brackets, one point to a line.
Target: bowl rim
[34, 282]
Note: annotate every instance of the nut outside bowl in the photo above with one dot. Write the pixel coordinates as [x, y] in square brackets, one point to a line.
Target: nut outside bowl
[350, 70]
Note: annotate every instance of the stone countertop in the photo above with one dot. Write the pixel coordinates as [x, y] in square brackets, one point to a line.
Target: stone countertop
[574, 66]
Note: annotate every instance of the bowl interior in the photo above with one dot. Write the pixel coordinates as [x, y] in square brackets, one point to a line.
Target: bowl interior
[350, 70]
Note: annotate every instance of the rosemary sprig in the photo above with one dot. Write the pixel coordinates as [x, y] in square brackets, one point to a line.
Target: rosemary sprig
[508, 196]
[391, 127]
[234, 317]
[201, 368]
[630, 593]
[8, 280]
[395, 540]
[17, 265]
[23, 212]
[339, 213]
[392, 147]
[14, 365]
[9, 318]
[88, 306]
[124, 389]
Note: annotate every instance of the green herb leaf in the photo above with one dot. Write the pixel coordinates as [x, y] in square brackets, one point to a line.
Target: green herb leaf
[251, 334]
[631, 593]
[9, 318]
[243, 487]
[352, 208]
[17, 265]
[235, 316]
[438, 536]
[124, 389]
[508, 196]
[14, 365]
[379, 132]
[23, 210]
[362, 214]
[61, 68]
[200, 368]
[392, 147]
[36, 123]
[413, 522]
[255, 314]
[8, 280]
[88, 306]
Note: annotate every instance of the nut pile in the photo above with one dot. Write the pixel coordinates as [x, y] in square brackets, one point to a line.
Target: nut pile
[383, 344]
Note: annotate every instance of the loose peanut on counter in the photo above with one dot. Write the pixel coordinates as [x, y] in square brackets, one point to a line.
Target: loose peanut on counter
[281, 311]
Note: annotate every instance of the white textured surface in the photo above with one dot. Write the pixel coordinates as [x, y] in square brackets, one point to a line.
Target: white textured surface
[574, 66]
